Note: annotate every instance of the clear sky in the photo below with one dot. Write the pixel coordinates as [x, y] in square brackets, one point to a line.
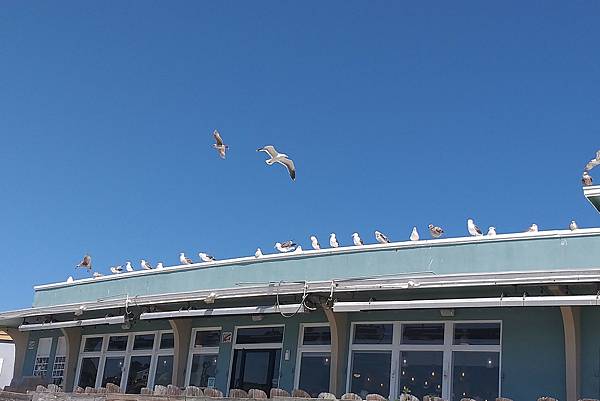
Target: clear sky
[396, 114]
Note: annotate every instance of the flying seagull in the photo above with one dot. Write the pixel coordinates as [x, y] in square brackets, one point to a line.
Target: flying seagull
[116, 269]
[315, 242]
[491, 231]
[128, 266]
[258, 253]
[586, 179]
[145, 265]
[159, 266]
[436, 232]
[280, 158]
[381, 238]
[533, 228]
[206, 257]
[356, 239]
[593, 163]
[333, 242]
[414, 235]
[287, 246]
[184, 260]
[86, 263]
[473, 229]
[219, 145]
[573, 226]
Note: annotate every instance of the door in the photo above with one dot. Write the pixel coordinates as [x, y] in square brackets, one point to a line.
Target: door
[255, 368]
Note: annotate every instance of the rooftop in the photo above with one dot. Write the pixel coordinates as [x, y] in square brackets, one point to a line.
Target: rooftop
[592, 194]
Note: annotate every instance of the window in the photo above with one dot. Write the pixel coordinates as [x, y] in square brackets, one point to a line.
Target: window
[313, 362]
[373, 334]
[423, 333]
[167, 341]
[164, 370]
[370, 372]
[259, 335]
[58, 367]
[204, 355]
[477, 333]
[113, 371]
[93, 344]
[475, 375]
[42, 358]
[88, 372]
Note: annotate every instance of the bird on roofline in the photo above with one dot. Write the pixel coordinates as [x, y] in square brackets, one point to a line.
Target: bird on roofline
[357, 240]
[473, 229]
[435, 231]
[333, 242]
[414, 235]
[184, 259]
[314, 242]
[381, 238]
[287, 246]
[145, 265]
[206, 257]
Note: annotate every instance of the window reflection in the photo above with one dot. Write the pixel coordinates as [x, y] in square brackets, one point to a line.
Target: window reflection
[89, 370]
[139, 369]
[421, 373]
[203, 367]
[314, 372]
[164, 370]
[371, 373]
[477, 333]
[113, 369]
[475, 375]
[373, 333]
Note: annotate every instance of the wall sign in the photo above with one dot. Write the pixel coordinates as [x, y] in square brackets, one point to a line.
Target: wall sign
[226, 337]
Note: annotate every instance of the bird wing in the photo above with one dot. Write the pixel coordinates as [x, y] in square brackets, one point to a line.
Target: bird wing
[592, 163]
[269, 149]
[477, 229]
[222, 152]
[386, 239]
[218, 138]
[287, 244]
[289, 164]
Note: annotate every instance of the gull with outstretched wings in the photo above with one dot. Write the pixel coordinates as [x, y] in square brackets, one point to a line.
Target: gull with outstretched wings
[219, 145]
[281, 158]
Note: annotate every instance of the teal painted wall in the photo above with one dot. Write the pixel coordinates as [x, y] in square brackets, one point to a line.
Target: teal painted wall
[32, 346]
[590, 352]
[482, 256]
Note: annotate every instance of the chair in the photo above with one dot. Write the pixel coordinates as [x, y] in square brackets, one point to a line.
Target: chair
[546, 398]
[237, 393]
[90, 390]
[145, 391]
[351, 397]
[467, 399]
[173, 390]
[213, 393]
[298, 393]
[503, 399]
[160, 390]
[112, 388]
[410, 397]
[278, 392]
[40, 389]
[101, 390]
[377, 397]
[257, 394]
[79, 390]
[327, 396]
[53, 388]
[193, 391]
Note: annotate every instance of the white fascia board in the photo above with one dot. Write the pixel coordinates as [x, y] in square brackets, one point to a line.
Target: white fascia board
[249, 310]
[74, 323]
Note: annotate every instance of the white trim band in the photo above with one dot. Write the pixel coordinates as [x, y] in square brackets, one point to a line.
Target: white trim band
[247, 310]
[73, 323]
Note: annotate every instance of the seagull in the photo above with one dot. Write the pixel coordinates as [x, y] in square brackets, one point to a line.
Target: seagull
[436, 232]
[586, 179]
[315, 242]
[219, 145]
[573, 226]
[298, 249]
[206, 257]
[333, 242]
[184, 259]
[116, 269]
[356, 239]
[381, 238]
[593, 163]
[86, 263]
[159, 266]
[70, 279]
[145, 265]
[280, 158]
[287, 246]
[128, 266]
[491, 231]
[473, 229]
[97, 274]
[258, 253]
[414, 235]
[533, 228]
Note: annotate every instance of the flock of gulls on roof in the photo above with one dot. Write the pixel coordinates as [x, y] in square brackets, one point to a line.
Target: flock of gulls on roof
[291, 246]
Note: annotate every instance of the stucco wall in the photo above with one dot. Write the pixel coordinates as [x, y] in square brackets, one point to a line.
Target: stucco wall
[7, 357]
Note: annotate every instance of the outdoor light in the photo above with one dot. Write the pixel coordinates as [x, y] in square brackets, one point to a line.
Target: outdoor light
[447, 312]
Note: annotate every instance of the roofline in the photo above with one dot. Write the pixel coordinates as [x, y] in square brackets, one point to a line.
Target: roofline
[248, 260]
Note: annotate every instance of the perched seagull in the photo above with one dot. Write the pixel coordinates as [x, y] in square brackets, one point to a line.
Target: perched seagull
[573, 226]
[258, 253]
[298, 249]
[70, 279]
[219, 145]
[280, 158]
[491, 231]
[381, 238]
[159, 266]
[116, 269]
[414, 235]
[315, 242]
[287, 246]
[356, 239]
[97, 274]
[86, 263]
[593, 163]
[533, 228]
[128, 266]
[586, 179]
[145, 265]
[436, 232]
[473, 229]
[206, 257]
[333, 242]
[184, 259]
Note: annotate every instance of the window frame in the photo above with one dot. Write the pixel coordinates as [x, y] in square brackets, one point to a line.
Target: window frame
[317, 349]
[194, 350]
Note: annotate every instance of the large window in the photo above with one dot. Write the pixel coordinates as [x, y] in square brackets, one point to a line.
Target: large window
[130, 361]
[42, 357]
[204, 354]
[313, 361]
[389, 358]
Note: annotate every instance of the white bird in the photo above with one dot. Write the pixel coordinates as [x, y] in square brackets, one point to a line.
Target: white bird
[333, 242]
[586, 179]
[593, 163]
[491, 231]
[159, 266]
[86, 263]
[414, 235]
[573, 226]
[219, 145]
[287, 246]
[206, 257]
[210, 298]
[70, 279]
[356, 239]
[145, 265]
[315, 242]
[128, 266]
[97, 274]
[298, 249]
[184, 259]
[435, 231]
[258, 253]
[533, 228]
[280, 158]
[381, 238]
[473, 229]
[116, 269]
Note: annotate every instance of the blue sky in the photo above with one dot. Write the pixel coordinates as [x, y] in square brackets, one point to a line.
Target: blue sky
[396, 114]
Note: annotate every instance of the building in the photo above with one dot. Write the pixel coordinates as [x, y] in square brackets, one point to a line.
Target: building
[514, 315]
[7, 359]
